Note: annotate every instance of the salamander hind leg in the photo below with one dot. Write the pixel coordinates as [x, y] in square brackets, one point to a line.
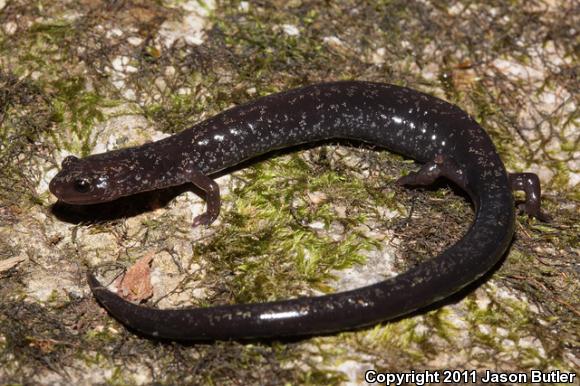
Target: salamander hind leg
[212, 197]
[441, 166]
[529, 183]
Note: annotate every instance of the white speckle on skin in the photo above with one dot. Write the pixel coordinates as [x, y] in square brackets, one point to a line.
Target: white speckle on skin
[102, 182]
[283, 315]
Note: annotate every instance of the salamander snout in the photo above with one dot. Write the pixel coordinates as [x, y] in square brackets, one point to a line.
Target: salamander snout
[54, 188]
[81, 182]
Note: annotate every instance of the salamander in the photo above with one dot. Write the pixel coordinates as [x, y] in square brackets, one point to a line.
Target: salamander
[439, 135]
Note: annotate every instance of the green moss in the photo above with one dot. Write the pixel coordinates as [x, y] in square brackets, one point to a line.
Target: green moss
[268, 241]
[78, 110]
[49, 34]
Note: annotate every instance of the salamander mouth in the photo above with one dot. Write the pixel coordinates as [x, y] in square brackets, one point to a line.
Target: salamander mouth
[55, 189]
[79, 200]
[64, 195]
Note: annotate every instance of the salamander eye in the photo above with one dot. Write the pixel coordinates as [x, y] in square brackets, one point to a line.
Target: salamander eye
[82, 185]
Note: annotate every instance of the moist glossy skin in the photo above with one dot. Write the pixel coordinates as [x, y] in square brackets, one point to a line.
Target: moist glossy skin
[427, 129]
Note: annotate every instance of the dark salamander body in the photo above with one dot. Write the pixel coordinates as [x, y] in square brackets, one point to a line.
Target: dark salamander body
[441, 136]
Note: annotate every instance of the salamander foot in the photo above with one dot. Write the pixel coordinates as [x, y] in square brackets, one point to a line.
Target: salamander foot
[212, 197]
[529, 183]
[441, 166]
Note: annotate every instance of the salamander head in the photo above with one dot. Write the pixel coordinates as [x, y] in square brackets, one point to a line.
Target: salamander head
[86, 181]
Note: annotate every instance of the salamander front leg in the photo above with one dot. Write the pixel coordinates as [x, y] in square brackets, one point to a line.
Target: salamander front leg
[212, 198]
[441, 166]
[529, 183]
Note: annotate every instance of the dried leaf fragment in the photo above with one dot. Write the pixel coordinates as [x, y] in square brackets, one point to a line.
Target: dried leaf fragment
[136, 284]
